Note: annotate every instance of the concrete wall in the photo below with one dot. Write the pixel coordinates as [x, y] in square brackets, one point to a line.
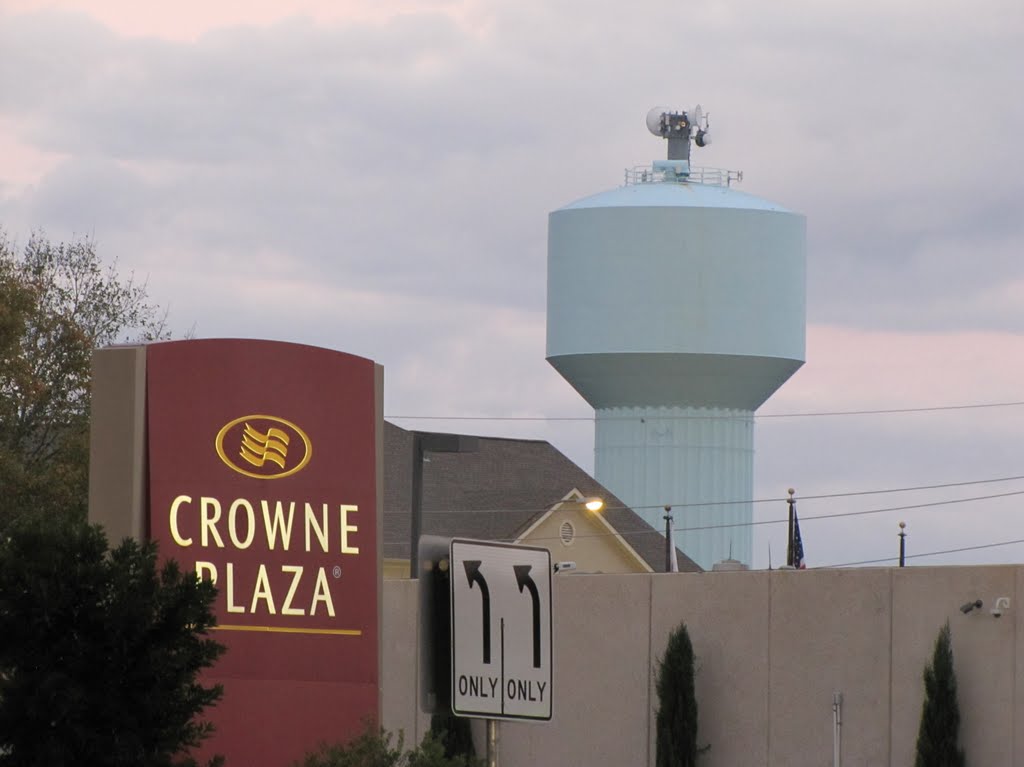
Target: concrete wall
[772, 648]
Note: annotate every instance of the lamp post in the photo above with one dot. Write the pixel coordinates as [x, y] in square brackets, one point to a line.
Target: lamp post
[422, 443]
[671, 563]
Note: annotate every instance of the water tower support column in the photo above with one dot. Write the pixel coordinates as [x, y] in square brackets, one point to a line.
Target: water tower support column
[683, 457]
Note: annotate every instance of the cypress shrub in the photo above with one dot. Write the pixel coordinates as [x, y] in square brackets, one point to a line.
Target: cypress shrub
[677, 704]
[938, 738]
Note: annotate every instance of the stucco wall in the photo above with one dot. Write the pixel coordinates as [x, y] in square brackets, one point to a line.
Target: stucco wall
[732, 662]
[985, 653]
[772, 648]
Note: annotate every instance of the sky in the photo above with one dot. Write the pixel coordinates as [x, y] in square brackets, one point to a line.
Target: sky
[375, 177]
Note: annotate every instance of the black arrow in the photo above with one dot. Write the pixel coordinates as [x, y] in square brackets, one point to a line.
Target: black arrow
[525, 581]
[473, 574]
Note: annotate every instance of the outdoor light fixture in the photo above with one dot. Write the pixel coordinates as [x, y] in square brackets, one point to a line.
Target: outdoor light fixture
[966, 608]
[593, 503]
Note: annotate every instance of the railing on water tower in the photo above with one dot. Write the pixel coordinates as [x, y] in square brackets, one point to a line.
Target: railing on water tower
[647, 174]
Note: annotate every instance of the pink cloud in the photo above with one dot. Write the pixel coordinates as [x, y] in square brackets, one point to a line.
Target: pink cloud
[188, 19]
[23, 164]
[849, 368]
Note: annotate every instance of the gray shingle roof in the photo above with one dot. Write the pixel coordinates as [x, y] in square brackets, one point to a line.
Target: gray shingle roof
[509, 483]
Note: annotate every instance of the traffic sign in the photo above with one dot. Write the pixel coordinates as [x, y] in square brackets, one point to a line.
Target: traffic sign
[501, 630]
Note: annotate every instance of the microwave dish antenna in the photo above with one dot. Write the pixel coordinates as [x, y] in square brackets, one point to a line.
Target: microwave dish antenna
[679, 127]
[654, 118]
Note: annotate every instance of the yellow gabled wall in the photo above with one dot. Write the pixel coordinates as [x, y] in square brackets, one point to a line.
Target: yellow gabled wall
[595, 547]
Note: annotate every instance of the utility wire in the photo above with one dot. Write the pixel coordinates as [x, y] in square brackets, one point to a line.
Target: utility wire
[892, 411]
[822, 496]
[925, 554]
[976, 547]
[849, 494]
[881, 560]
[813, 414]
[653, 531]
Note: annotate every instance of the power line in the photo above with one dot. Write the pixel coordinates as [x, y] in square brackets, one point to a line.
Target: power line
[848, 494]
[914, 506]
[821, 496]
[892, 411]
[931, 504]
[813, 414]
[699, 528]
[925, 554]
[960, 549]
[863, 512]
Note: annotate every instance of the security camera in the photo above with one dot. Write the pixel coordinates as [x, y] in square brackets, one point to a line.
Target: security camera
[560, 566]
[1002, 603]
[966, 608]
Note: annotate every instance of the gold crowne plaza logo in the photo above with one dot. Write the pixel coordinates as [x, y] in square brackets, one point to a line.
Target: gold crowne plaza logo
[258, 448]
[263, 446]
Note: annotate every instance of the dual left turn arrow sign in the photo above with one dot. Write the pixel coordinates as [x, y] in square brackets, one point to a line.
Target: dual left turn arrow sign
[501, 630]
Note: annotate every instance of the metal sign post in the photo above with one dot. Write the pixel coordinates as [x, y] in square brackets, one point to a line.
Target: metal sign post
[492, 743]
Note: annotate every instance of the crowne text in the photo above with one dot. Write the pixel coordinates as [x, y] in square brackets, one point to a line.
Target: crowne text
[238, 525]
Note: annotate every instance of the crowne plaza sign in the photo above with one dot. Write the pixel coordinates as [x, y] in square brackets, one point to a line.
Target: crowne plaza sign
[257, 465]
[266, 447]
[262, 479]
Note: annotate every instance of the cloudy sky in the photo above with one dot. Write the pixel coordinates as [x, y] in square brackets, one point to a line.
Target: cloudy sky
[375, 176]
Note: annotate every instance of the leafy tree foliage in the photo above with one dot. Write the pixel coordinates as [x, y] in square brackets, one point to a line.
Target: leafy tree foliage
[938, 738]
[379, 748]
[57, 303]
[99, 649]
[676, 723]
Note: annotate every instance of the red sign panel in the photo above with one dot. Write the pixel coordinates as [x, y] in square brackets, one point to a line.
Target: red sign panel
[263, 477]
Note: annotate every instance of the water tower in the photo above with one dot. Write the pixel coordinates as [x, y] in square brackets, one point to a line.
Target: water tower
[676, 308]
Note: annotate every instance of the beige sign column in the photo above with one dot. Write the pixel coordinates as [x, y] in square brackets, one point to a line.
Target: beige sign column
[117, 439]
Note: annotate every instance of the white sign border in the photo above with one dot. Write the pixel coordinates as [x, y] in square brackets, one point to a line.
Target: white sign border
[551, 632]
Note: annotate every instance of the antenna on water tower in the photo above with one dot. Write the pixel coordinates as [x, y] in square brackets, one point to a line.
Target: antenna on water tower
[679, 128]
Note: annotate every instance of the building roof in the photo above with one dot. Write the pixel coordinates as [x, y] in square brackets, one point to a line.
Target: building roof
[508, 484]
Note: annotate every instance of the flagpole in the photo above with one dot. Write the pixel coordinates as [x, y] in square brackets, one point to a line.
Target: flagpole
[903, 541]
[789, 540]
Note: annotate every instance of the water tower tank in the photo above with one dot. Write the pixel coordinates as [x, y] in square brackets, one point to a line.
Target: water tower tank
[676, 308]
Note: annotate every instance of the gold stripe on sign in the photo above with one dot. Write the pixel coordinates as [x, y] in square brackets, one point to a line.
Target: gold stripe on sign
[286, 630]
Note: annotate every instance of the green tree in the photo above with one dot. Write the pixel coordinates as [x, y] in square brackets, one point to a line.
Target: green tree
[100, 650]
[379, 748]
[372, 748]
[58, 302]
[938, 738]
[676, 723]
